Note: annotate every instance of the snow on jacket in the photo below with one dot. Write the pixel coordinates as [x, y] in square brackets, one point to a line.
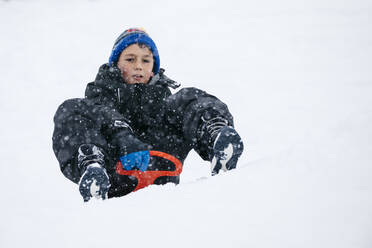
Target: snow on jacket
[121, 118]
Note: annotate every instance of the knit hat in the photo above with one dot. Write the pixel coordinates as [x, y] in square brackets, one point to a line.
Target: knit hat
[132, 36]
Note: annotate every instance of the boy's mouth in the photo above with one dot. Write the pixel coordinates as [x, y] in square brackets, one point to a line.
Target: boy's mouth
[137, 77]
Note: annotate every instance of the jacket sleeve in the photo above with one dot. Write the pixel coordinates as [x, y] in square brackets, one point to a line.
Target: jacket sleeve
[184, 110]
[81, 121]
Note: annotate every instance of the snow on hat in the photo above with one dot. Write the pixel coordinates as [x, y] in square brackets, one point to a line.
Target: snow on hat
[132, 36]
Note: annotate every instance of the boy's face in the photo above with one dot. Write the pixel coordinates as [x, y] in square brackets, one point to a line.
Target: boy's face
[136, 63]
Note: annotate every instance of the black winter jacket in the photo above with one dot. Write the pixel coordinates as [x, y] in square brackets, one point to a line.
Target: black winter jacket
[121, 118]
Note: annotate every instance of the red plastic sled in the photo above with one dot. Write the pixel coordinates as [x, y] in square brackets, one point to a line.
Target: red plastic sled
[147, 178]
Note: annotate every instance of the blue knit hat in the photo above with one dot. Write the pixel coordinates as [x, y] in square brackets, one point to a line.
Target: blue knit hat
[132, 36]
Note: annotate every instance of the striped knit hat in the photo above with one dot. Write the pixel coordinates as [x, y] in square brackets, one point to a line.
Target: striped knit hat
[132, 36]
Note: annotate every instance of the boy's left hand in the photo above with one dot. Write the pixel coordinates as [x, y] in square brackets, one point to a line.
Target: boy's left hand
[139, 160]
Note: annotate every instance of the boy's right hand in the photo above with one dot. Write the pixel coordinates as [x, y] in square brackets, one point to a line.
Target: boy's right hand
[139, 160]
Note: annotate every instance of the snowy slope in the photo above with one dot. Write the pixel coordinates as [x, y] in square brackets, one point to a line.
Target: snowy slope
[296, 75]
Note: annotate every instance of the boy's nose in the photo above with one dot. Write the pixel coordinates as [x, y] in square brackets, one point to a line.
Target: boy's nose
[138, 66]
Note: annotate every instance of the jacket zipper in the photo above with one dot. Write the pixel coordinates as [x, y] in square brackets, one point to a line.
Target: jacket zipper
[119, 95]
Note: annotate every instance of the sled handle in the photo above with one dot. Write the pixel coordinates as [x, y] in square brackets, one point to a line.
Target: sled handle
[147, 178]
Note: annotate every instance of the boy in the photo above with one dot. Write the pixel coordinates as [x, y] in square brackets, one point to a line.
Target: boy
[130, 131]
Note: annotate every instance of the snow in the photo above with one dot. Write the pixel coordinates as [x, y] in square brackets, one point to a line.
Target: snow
[295, 74]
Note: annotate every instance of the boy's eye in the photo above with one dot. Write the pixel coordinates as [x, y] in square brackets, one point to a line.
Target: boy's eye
[146, 61]
[130, 59]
